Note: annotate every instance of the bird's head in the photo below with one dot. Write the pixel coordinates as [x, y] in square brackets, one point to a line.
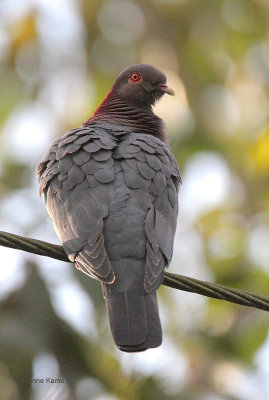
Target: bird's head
[141, 85]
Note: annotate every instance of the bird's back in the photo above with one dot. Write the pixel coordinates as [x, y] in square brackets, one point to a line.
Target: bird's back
[112, 196]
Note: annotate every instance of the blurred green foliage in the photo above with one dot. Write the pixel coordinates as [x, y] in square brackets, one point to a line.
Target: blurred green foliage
[57, 61]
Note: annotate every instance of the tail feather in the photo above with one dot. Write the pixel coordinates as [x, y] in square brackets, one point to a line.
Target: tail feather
[133, 313]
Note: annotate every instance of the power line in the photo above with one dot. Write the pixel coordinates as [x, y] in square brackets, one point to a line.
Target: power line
[172, 280]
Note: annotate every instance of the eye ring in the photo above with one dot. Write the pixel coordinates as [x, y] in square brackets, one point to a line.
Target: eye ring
[135, 77]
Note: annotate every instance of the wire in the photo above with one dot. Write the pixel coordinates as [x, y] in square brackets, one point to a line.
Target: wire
[175, 281]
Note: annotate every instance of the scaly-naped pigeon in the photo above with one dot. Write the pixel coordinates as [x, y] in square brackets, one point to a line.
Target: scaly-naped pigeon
[110, 188]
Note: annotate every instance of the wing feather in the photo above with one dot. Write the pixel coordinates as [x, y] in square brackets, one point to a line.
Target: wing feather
[77, 176]
[153, 169]
[72, 177]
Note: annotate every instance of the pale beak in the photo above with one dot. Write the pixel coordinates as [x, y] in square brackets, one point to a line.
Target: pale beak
[165, 89]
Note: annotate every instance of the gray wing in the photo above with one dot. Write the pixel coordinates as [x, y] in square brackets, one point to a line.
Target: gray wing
[149, 165]
[76, 178]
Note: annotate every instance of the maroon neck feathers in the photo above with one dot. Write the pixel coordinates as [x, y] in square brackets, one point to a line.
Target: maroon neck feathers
[114, 110]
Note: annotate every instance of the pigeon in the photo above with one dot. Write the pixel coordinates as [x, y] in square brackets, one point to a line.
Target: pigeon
[111, 190]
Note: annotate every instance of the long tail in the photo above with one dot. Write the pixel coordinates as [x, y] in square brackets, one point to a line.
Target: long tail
[133, 313]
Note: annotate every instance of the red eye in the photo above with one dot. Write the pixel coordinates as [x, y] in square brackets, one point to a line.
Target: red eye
[135, 77]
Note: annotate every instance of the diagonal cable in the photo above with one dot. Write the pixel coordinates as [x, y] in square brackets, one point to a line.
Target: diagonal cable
[175, 281]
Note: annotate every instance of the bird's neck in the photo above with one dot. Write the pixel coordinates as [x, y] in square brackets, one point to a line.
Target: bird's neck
[114, 110]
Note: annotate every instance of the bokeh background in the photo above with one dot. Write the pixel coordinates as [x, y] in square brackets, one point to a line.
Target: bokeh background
[58, 59]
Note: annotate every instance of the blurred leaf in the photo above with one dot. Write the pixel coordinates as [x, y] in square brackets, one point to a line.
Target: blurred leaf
[21, 32]
[14, 176]
[11, 93]
[259, 152]
[252, 333]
